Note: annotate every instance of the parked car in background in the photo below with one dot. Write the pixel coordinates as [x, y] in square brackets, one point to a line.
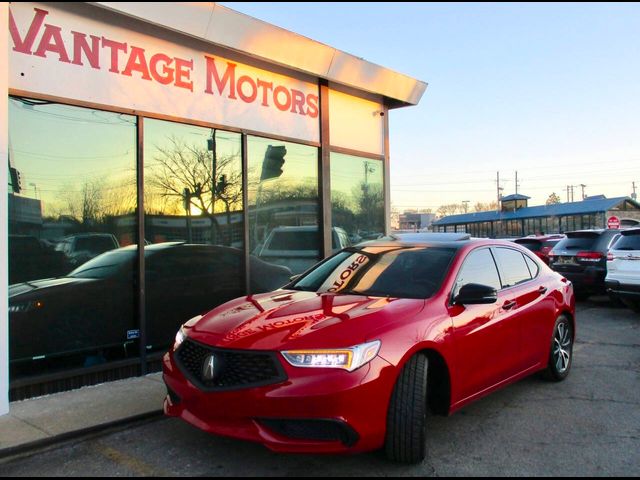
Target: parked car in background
[541, 245]
[623, 269]
[91, 309]
[352, 355]
[82, 247]
[298, 247]
[31, 258]
[582, 258]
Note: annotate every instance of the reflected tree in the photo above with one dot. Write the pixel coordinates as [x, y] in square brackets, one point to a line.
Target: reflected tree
[183, 168]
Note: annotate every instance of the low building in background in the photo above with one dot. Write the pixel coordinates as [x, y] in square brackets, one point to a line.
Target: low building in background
[415, 222]
[517, 219]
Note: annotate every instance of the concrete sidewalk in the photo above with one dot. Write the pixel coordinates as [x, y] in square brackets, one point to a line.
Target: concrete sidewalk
[43, 420]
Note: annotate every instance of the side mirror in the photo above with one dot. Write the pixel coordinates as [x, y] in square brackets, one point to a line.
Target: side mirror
[476, 294]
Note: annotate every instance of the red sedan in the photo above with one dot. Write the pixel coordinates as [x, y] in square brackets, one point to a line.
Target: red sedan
[353, 354]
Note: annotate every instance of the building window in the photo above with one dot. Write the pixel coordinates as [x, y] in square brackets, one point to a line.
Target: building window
[357, 198]
[194, 260]
[72, 295]
[283, 203]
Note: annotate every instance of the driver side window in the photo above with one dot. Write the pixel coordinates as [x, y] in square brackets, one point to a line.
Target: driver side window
[478, 267]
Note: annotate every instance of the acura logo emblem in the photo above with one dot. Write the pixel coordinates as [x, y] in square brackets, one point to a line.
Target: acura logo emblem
[208, 368]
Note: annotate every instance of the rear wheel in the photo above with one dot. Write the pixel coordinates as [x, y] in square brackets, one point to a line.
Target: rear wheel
[561, 351]
[407, 416]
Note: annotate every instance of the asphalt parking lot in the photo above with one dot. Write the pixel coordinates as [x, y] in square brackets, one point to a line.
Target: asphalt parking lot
[588, 425]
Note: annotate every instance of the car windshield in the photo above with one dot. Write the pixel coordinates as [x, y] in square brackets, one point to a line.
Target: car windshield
[386, 271]
[106, 265]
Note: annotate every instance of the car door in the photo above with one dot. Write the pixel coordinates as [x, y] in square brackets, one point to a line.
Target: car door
[533, 311]
[486, 336]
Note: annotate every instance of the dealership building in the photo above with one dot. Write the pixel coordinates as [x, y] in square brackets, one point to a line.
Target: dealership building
[163, 158]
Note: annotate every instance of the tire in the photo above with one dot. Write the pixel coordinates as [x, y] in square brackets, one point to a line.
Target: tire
[407, 415]
[561, 350]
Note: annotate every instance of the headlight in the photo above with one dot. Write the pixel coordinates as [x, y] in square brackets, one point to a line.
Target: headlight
[25, 306]
[346, 358]
[181, 336]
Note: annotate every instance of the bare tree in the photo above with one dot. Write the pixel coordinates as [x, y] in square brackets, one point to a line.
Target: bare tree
[205, 177]
[449, 209]
[485, 206]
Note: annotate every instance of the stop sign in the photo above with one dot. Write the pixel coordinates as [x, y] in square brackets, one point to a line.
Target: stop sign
[613, 222]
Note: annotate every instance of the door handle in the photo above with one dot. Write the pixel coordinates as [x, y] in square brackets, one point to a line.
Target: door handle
[542, 290]
[508, 305]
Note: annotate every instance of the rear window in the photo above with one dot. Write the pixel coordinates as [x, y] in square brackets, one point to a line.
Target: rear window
[549, 244]
[533, 245]
[628, 241]
[578, 241]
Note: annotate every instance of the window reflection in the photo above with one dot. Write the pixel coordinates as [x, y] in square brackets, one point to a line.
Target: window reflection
[72, 199]
[283, 203]
[357, 197]
[194, 221]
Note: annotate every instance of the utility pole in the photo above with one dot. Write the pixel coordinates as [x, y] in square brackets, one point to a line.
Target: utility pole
[582, 185]
[466, 205]
[568, 189]
[633, 195]
[516, 182]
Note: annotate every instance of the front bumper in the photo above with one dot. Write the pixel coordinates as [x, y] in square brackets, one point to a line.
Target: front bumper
[314, 410]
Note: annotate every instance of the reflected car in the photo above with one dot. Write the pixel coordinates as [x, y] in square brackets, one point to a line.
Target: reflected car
[353, 354]
[31, 258]
[93, 307]
[297, 247]
[82, 247]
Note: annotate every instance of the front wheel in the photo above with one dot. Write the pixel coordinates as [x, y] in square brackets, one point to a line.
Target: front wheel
[407, 416]
[561, 352]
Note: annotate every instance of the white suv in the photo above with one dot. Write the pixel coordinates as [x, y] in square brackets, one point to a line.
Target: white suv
[623, 268]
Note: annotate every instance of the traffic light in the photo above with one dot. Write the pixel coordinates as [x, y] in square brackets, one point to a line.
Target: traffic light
[273, 161]
[16, 182]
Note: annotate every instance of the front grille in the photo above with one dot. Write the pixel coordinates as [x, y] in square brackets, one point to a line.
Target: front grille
[233, 369]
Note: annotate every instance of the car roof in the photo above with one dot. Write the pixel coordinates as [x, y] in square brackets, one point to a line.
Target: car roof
[430, 236]
[443, 241]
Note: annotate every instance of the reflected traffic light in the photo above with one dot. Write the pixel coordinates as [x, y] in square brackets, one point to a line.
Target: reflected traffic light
[273, 161]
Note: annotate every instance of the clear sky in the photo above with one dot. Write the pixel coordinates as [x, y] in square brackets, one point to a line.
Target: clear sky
[550, 90]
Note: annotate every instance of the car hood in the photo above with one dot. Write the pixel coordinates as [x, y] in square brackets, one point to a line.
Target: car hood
[46, 285]
[295, 319]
